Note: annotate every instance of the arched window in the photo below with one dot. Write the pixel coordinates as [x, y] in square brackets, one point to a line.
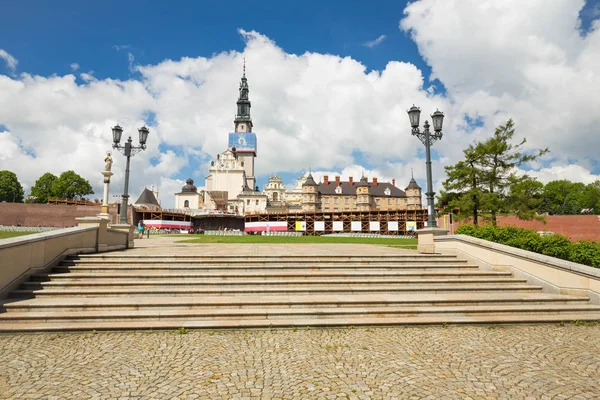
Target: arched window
[186, 203]
[275, 196]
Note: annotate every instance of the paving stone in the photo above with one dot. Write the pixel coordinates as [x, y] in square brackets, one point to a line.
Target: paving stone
[508, 362]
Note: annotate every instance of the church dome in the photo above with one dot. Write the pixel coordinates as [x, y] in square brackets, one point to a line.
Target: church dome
[189, 187]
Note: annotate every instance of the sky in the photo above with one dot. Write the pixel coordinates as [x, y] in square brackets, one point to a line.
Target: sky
[330, 83]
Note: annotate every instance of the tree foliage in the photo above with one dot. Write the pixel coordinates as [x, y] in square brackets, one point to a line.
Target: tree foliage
[11, 190]
[42, 189]
[583, 252]
[483, 180]
[70, 185]
[563, 197]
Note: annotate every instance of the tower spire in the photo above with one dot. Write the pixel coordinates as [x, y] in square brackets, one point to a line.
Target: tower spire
[243, 121]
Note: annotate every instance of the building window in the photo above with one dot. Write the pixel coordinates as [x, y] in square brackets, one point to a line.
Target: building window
[256, 202]
[326, 200]
[335, 201]
[405, 201]
[186, 203]
[389, 202]
[397, 201]
[347, 200]
[377, 201]
[248, 202]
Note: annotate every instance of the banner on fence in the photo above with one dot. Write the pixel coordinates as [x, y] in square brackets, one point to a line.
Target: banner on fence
[301, 226]
[374, 226]
[338, 226]
[270, 226]
[411, 226]
[392, 226]
[162, 224]
[319, 226]
[356, 226]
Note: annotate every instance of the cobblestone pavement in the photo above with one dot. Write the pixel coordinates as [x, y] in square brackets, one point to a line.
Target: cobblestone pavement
[470, 362]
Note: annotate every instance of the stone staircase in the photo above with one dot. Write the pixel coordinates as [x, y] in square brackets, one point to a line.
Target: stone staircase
[146, 291]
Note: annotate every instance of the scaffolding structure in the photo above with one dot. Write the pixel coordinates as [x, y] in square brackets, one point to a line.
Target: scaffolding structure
[402, 217]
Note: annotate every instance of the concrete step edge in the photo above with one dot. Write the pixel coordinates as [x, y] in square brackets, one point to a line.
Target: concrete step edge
[296, 322]
[265, 312]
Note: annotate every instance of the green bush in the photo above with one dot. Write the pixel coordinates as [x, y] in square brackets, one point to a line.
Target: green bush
[582, 252]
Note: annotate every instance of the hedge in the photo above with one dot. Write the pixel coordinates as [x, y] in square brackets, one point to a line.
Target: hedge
[582, 252]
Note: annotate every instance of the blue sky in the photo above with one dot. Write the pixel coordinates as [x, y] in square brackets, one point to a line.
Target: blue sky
[47, 37]
[480, 82]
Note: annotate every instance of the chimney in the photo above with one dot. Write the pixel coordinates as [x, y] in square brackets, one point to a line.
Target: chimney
[351, 181]
[393, 182]
[337, 180]
[374, 181]
[326, 180]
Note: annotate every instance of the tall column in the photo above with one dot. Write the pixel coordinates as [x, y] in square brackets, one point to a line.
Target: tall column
[104, 211]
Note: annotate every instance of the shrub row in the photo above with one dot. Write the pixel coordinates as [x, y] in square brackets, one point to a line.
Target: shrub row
[582, 252]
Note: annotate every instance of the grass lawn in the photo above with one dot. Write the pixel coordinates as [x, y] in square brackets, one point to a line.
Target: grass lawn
[7, 235]
[404, 243]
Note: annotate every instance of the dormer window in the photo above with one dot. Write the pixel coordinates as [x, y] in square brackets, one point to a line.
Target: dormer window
[338, 190]
[387, 191]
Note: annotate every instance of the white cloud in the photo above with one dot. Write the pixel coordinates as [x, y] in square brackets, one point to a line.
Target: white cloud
[375, 42]
[121, 47]
[11, 62]
[571, 172]
[509, 58]
[131, 59]
[74, 67]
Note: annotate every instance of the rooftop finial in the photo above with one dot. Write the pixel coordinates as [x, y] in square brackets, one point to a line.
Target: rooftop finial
[412, 175]
[244, 67]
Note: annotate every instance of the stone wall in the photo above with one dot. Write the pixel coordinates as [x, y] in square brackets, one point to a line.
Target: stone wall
[47, 214]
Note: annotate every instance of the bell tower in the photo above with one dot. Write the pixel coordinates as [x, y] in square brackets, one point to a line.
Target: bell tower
[242, 121]
[243, 139]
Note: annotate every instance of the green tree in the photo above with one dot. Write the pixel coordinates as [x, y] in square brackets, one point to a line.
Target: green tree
[483, 179]
[464, 181]
[11, 190]
[590, 197]
[500, 158]
[562, 197]
[524, 199]
[70, 185]
[43, 188]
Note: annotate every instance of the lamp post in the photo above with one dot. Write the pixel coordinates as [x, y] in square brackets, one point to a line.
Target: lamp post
[128, 150]
[428, 139]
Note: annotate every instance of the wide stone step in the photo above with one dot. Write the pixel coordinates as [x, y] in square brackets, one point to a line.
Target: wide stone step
[210, 268]
[174, 291]
[291, 301]
[301, 323]
[227, 258]
[270, 274]
[228, 283]
[280, 313]
[260, 261]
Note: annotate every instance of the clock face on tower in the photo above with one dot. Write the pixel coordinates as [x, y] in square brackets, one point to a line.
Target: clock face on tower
[241, 128]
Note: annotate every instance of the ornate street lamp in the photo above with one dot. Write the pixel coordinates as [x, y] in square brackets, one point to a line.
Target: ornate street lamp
[128, 150]
[428, 139]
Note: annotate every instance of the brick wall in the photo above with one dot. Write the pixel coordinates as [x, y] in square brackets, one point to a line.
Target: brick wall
[46, 214]
[575, 227]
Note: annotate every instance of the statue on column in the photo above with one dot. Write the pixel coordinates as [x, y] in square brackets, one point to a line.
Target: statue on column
[108, 162]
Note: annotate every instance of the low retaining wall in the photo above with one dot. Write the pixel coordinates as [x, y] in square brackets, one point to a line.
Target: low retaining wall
[23, 256]
[555, 275]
